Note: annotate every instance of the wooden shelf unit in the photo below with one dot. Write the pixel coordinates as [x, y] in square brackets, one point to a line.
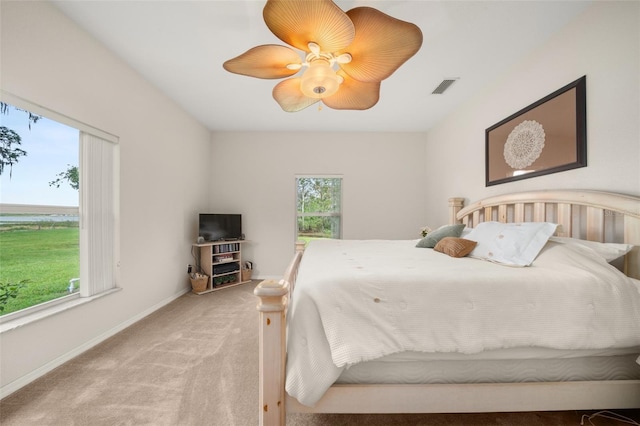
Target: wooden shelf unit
[222, 262]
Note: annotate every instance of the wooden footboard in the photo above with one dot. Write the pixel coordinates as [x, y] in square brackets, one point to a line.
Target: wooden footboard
[559, 206]
[274, 297]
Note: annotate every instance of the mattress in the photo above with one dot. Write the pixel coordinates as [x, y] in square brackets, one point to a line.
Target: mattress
[502, 366]
[360, 301]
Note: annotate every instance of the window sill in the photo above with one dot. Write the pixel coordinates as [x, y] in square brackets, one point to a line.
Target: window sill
[45, 310]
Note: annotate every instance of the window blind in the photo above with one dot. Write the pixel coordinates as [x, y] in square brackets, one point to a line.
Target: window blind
[98, 214]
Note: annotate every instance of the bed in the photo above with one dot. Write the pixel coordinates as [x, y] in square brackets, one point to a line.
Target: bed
[516, 355]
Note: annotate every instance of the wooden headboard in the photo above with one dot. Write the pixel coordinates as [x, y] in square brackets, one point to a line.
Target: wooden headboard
[588, 215]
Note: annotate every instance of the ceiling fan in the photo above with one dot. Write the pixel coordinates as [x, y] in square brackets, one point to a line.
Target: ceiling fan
[347, 54]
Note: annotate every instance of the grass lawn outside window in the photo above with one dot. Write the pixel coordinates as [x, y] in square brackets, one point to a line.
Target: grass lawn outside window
[43, 255]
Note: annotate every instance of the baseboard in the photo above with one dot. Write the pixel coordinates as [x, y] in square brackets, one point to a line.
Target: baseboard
[10, 388]
[267, 277]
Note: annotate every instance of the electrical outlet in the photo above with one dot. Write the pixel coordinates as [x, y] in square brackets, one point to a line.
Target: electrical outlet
[189, 268]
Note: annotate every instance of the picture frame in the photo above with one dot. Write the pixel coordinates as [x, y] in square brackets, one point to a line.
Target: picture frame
[548, 136]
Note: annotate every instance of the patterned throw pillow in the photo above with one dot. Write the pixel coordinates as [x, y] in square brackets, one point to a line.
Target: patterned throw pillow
[455, 247]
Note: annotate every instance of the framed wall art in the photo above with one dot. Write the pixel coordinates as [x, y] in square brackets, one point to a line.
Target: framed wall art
[548, 136]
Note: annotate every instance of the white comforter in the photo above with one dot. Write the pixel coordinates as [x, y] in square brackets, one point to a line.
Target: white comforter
[360, 300]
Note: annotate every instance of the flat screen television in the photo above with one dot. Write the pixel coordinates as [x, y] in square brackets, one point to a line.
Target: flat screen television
[216, 227]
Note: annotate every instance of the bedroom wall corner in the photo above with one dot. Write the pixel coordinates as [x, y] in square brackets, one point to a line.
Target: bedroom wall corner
[602, 43]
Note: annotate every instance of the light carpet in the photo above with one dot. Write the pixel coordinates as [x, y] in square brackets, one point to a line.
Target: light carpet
[195, 362]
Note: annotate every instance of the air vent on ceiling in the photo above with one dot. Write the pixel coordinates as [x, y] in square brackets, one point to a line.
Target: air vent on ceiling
[443, 86]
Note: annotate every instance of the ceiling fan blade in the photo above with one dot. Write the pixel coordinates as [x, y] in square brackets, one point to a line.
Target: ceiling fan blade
[381, 45]
[267, 61]
[298, 23]
[354, 94]
[291, 99]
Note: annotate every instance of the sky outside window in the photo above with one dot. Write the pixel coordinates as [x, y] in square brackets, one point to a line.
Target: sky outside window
[51, 147]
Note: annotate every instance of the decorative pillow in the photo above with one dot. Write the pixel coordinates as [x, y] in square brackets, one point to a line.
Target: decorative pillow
[514, 244]
[608, 251]
[433, 237]
[455, 247]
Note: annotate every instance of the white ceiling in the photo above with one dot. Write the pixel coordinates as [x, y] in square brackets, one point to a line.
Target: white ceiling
[179, 46]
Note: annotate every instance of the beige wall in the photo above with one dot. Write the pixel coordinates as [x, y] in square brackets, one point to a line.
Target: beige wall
[254, 173]
[604, 45]
[49, 61]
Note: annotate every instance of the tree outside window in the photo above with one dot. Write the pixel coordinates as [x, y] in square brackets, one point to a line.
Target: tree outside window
[319, 207]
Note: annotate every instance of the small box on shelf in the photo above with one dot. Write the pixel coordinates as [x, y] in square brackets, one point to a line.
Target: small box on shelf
[223, 258]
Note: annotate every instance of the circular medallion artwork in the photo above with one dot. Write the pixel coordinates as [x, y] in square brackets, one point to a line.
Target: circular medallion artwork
[524, 144]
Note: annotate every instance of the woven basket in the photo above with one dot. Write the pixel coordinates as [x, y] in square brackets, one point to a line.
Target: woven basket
[199, 284]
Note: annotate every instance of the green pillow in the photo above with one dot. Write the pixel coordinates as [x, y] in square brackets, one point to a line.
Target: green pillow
[433, 237]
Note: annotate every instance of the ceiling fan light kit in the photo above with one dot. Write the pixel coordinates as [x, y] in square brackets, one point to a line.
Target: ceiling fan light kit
[320, 80]
[346, 54]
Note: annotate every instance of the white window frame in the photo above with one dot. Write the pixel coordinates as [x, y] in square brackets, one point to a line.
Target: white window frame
[99, 221]
[315, 214]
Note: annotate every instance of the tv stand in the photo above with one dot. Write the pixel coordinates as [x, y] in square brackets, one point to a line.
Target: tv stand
[222, 262]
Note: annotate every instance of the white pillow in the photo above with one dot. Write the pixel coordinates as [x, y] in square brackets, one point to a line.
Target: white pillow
[514, 244]
[608, 251]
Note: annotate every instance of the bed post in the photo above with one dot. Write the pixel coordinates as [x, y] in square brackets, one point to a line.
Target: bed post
[455, 205]
[632, 236]
[271, 306]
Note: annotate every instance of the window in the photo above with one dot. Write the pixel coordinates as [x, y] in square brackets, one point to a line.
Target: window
[319, 207]
[84, 182]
